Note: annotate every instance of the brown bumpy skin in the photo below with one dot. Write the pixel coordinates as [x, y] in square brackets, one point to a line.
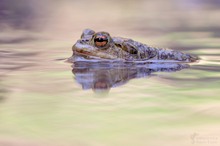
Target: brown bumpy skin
[103, 46]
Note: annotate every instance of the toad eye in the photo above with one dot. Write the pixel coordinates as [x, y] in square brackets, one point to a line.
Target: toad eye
[101, 40]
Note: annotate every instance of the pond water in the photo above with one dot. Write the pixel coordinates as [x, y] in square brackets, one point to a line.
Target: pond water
[45, 101]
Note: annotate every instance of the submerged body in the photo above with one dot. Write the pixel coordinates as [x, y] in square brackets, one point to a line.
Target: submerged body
[101, 46]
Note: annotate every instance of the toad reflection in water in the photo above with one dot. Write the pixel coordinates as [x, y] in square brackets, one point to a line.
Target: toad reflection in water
[104, 76]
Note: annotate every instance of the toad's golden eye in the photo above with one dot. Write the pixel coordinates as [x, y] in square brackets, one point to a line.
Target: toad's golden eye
[100, 40]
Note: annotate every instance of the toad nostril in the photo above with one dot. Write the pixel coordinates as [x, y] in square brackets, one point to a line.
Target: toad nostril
[84, 40]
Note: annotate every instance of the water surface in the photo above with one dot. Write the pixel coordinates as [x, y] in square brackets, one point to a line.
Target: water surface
[43, 100]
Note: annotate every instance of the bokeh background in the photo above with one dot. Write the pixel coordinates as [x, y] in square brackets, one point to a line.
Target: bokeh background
[42, 104]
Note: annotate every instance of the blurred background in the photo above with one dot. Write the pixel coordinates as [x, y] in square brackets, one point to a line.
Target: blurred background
[41, 102]
[147, 17]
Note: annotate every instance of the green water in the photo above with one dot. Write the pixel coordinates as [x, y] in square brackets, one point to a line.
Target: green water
[41, 102]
